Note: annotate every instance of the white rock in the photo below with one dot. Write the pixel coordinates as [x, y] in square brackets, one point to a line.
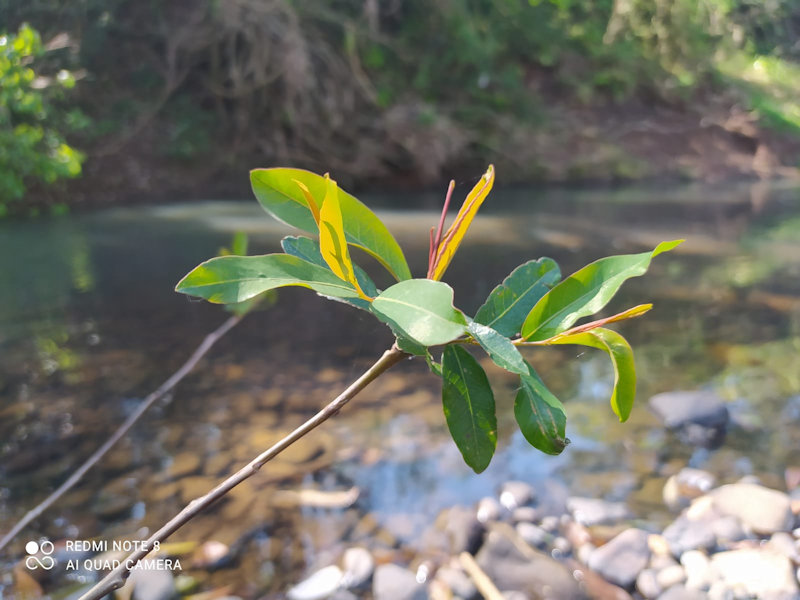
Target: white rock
[760, 509]
[317, 586]
[647, 584]
[358, 567]
[670, 576]
[762, 573]
[697, 568]
[489, 509]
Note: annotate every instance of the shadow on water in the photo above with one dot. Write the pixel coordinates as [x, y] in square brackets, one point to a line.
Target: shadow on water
[89, 323]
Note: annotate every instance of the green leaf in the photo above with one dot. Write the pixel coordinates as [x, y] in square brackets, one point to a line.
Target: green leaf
[231, 279]
[499, 348]
[421, 310]
[510, 302]
[540, 415]
[468, 407]
[621, 355]
[436, 368]
[585, 292]
[308, 249]
[409, 346]
[278, 192]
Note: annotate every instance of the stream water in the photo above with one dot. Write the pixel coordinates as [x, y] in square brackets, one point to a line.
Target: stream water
[89, 324]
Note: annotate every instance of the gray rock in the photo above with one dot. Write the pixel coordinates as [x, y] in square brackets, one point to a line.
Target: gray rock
[463, 529]
[688, 534]
[728, 530]
[534, 535]
[488, 510]
[680, 592]
[761, 573]
[760, 509]
[698, 570]
[700, 417]
[622, 558]
[153, 585]
[550, 523]
[358, 566]
[514, 494]
[535, 574]
[593, 511]
[458, 582]
[318, 585]
[527, 514]
[647, 584]
[393, 582]
[562, 545]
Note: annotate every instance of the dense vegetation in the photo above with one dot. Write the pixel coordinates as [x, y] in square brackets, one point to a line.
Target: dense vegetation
[31, 144]
[376, 89]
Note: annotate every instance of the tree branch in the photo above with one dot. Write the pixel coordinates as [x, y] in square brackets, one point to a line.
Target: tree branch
[116, 578]
[170, 383]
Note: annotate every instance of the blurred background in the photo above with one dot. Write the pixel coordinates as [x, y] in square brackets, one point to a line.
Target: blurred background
[129, 127]
[146, 101]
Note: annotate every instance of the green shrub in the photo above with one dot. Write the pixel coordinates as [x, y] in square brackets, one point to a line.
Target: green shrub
[32, 147]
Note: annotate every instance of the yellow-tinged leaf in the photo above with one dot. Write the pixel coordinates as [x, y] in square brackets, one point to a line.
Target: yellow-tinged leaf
[312, 204]
[452, 238]
[631, 313]
[621, 354]
[332, 241]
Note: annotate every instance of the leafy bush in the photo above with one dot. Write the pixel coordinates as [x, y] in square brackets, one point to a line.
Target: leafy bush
[32, 147]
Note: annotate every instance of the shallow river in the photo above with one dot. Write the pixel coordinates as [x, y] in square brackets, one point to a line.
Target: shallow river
[89, 324]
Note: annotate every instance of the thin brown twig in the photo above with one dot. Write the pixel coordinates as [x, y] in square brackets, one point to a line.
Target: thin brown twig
[116, 578]
[170, 383]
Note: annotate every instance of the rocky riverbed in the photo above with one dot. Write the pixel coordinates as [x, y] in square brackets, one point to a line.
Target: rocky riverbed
[739, 540]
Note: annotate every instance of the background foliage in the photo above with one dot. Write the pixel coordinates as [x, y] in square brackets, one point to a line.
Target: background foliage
[374, 89]
[32, 147]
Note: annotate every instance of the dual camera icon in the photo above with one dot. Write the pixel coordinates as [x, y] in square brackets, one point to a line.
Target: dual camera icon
[34, 561]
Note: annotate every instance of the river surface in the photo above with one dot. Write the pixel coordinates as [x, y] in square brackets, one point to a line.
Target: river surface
[89, 325]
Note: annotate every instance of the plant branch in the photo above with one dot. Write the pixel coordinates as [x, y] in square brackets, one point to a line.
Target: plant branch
[165, 388]
[116, 578]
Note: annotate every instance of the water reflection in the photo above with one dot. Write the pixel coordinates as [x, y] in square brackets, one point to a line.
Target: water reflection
[89, 322]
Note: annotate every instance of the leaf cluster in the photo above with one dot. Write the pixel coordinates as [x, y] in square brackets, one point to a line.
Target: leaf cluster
[32, 146]
[532, 306]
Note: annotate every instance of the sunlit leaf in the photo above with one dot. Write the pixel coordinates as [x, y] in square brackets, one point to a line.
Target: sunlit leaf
[421, 310]
[510, 302]
[499, 348]
[468, 407]
[332, 242]
[452, 238]
[231, 279]
[279, 193]
[540, 415]
[585, 292]
[621, 355]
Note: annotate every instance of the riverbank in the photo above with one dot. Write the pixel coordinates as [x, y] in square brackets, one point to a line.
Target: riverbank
[599, 146]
